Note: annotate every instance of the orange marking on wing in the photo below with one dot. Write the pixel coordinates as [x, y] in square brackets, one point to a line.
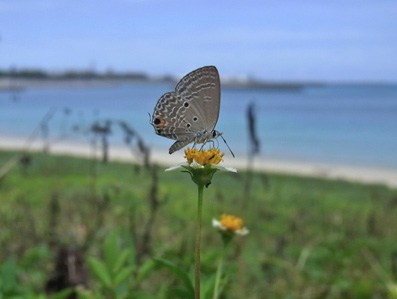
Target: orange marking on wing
[159, 122]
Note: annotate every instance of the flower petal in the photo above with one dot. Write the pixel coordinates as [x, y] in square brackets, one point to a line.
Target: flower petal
[242, 232]
[196, 165]
[178, 166]
[217, 224]
[225, 168]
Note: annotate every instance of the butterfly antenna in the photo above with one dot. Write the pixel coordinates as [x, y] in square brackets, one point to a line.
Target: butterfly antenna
[228, 147]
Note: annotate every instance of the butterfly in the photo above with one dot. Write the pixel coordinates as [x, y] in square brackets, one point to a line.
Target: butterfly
[190, 113]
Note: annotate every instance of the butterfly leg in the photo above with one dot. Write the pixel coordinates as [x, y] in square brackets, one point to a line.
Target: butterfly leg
[212, 143]
[204, 143]
[217, 143]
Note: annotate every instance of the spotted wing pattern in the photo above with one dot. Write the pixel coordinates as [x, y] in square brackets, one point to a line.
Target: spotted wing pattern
[191, 110]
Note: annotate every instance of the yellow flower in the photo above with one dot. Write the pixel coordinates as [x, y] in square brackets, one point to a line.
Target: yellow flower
[231, 224]
[196, 159]
[204, 157]
[202, 165]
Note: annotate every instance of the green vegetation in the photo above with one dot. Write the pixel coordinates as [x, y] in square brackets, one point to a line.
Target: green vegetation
[133, 229]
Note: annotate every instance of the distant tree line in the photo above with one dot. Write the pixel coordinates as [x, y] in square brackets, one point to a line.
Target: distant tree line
[75, 74]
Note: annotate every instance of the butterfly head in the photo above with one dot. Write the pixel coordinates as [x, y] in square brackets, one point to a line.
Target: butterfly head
[215, 134]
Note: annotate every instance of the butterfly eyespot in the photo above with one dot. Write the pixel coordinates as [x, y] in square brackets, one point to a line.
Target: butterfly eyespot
[195, 118]
[186, 104]
[159, 131]
[214, 134]
[159, 122]
[188, 125]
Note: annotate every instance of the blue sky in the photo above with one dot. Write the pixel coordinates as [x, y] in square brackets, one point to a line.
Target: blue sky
[274, 40]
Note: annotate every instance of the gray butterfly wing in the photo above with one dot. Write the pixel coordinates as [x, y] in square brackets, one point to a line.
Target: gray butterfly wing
[169, 118]
[193, 107]
[201, 88]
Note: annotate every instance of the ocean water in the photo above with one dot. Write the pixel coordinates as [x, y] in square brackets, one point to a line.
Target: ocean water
[340, 124]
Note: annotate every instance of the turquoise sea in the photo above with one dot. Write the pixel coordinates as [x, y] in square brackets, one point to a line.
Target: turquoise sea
[341, 124]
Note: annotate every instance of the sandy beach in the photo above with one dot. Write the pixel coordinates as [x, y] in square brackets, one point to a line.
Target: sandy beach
[322, 170]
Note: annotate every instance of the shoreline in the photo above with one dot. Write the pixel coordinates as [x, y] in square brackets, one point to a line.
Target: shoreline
[366, 175]
[16, 84]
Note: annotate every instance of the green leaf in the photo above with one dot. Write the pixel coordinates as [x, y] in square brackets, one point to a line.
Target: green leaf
[129, 243]
[86, 294]
[62, 294]
[145, 270]
[8, 277]
[111, 250]
[181, 293]
[180, 273]
[208, 285]
[100, 271]
[121, 259]
[123, 275]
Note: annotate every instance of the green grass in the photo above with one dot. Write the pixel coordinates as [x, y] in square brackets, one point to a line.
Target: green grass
[309, 238]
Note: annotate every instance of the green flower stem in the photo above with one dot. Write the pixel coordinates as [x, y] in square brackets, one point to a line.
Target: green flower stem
[197, 247]
[202, 178]
[218, 278]
[219, 273]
